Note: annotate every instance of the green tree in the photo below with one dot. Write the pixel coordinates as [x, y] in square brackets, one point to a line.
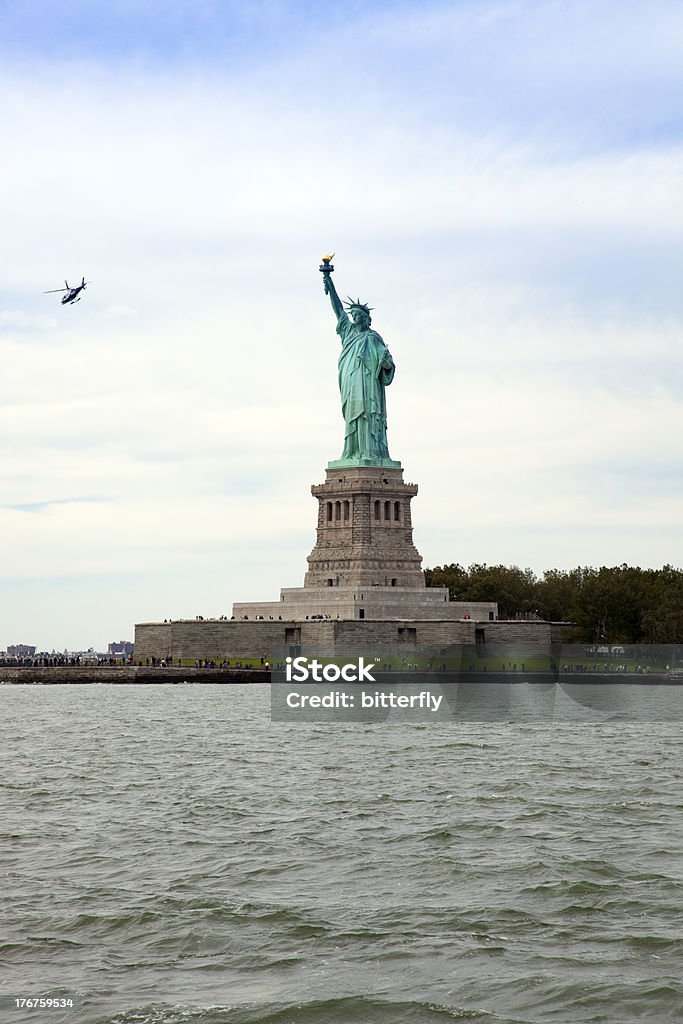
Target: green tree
[617, 604]
[662, 615]
[558, 594]
[452, 576]
[515, 590]
[609, 603]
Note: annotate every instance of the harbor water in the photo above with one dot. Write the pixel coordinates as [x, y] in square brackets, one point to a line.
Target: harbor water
[169, 855]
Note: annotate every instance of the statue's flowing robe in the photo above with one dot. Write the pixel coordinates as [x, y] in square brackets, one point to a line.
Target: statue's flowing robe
[365, 369]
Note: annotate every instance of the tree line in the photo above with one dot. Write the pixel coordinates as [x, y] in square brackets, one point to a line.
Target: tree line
[621, 604]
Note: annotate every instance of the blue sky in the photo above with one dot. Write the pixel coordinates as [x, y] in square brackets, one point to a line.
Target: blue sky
[502, 181]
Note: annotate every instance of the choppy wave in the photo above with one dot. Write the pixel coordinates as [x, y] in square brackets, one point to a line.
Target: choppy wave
[332, 1011]
[171, 857]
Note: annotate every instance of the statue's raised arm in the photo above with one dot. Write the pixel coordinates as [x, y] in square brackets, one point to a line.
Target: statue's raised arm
[326, 269]
[337, 306]
[365, 370]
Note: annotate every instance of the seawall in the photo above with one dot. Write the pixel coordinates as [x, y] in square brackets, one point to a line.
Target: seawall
[140, 674]
[92, 674]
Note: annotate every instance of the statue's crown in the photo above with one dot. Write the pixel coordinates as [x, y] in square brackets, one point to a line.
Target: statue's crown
[357, 304]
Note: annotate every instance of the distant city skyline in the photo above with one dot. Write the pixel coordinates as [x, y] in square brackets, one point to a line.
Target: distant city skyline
[500, 181]
[116, 649]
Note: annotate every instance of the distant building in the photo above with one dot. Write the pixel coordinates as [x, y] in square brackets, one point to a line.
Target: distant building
[21, 651]
[121, 649]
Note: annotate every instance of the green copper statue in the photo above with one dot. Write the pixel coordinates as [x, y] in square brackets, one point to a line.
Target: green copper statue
[365, 370]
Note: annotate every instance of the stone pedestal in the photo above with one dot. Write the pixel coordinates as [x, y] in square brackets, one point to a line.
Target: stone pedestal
[365, 532]
[364, 564]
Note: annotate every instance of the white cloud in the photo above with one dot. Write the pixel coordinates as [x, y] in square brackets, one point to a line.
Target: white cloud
[18, 319]
[523, 285]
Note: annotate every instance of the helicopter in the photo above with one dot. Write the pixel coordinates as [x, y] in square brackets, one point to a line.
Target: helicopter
[72, 294]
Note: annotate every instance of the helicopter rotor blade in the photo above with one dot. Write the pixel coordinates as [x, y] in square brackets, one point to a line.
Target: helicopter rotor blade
[50, 291]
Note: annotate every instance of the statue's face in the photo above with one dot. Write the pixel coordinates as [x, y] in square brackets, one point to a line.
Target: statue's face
[360, 318]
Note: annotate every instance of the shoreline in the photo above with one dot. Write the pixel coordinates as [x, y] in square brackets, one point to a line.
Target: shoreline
[18, 675]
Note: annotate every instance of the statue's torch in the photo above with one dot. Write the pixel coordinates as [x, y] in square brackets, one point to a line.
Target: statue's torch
[326, 269]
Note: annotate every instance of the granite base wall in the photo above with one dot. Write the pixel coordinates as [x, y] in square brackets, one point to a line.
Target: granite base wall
[384, 603]
[220, 639]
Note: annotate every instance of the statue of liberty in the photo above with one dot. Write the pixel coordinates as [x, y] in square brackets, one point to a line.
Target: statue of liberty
[365, 370]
